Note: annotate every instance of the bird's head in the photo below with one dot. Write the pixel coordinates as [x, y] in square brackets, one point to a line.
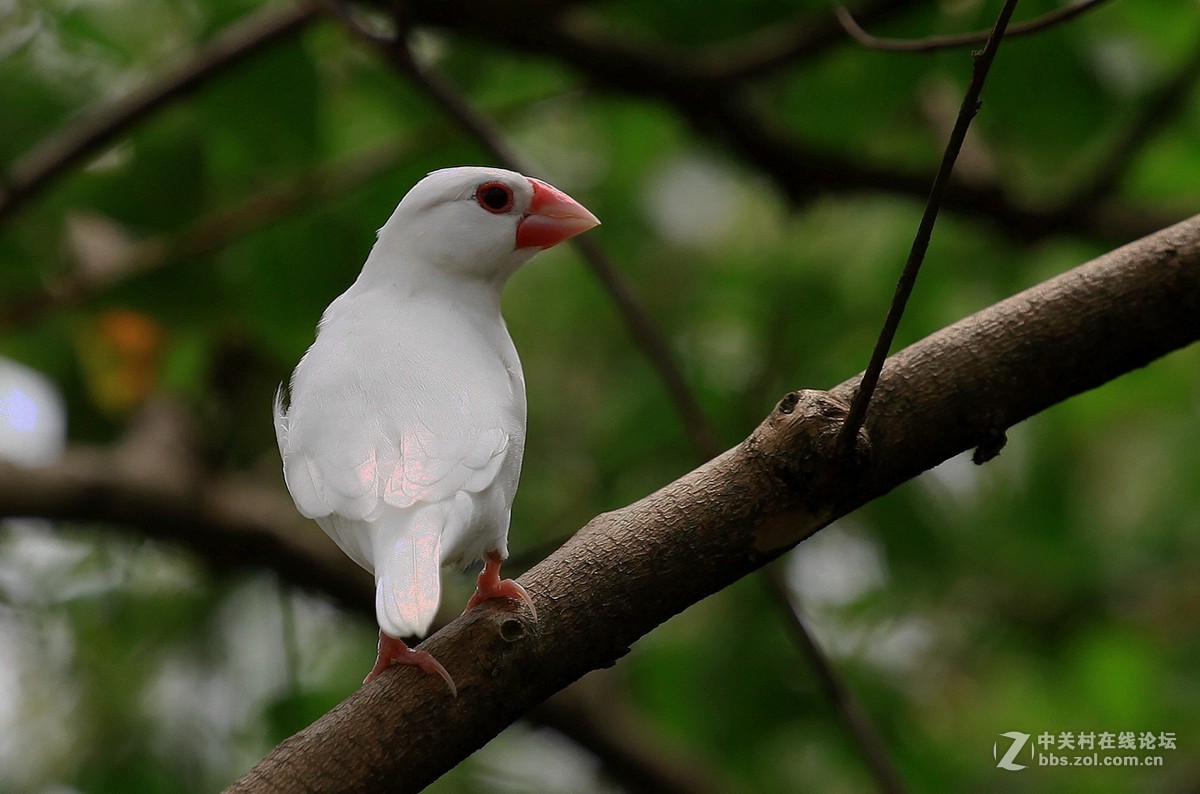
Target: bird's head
[481, 223]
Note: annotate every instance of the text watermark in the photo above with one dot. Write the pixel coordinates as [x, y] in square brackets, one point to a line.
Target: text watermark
[1017, 750]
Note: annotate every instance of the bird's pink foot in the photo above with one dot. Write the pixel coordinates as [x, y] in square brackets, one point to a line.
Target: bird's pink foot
[393, 651]
[491, 586]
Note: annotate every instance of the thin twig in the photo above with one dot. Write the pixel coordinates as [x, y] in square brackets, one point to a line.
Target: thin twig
[959, 40]
[786, 43]
[55, 155]
[853, 715]
[970, 106]
[642, 759]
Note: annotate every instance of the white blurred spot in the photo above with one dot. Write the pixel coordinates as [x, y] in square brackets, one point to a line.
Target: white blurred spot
[956, 477]
[692, 202]
[1122, 64]
[543, 761]
[33, 420]
[728, 353]
[39, 706]
[835, 567]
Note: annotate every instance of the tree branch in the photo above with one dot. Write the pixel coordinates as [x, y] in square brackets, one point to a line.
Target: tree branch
[639, 757]
[68, 147]
[1161, 108]
[714, 108]
[854, 716]
[207, 234]
[959, 40]
[629, 570]
[230, 522]
[234, 524]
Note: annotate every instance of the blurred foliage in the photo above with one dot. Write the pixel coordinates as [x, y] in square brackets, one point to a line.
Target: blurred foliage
[1054, 589]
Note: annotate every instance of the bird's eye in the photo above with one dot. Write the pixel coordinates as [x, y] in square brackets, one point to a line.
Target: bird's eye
[495, 197]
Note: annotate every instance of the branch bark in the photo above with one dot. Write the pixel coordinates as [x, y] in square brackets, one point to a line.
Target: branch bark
[629, 570]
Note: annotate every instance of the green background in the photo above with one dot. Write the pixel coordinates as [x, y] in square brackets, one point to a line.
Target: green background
[1056, 589]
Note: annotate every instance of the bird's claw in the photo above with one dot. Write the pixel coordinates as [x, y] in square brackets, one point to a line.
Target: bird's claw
[393, 651]
[505, 588]
[491, 586]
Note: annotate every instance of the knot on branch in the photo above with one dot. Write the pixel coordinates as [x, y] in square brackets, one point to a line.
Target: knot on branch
[797, 444]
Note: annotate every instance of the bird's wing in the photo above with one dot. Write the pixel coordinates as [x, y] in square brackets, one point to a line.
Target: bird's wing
[390, 498]
[428, 466]
[351, 467]
[356, 464]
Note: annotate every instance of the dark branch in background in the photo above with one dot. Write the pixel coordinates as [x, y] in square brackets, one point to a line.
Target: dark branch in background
[630, 569]
[1161, 108]
[225, 226]
[208, 234]
[956, 41]
[714, 108]
[908, 278]
[71, 145]
[853, 714]
[232, 524]
[784, 44]
[702, 88]
[640, 757]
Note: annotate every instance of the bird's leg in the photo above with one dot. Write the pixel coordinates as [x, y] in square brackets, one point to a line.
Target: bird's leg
[394, 651]
[491, 586]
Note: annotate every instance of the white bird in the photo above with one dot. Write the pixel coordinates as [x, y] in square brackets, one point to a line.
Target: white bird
[406, 424]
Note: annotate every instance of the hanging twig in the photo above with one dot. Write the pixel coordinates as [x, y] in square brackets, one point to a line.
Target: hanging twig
[959, 40]
[970, 106]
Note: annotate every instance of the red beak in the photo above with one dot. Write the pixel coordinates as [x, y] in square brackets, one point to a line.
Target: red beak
[553, 216]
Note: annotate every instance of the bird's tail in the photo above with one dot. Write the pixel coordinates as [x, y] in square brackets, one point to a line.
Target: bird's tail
[408, 583]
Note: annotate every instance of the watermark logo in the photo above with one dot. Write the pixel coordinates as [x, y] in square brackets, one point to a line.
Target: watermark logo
[1081, 748]
[1008, 761]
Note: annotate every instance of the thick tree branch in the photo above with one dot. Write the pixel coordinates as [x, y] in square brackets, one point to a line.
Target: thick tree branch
[71, 145]
[629, 570]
